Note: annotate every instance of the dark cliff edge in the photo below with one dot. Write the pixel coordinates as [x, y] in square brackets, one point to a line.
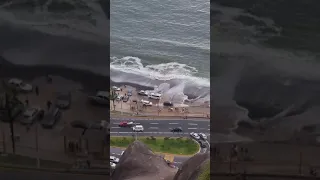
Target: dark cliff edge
[139, 163]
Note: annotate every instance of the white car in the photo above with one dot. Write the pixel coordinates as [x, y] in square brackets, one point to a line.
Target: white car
[195, 136]
[143, 93]
[138, 128]
[147, 103]
[203, 136]
[18, 84]
[112, 165]
[114, 159]
[115, 88]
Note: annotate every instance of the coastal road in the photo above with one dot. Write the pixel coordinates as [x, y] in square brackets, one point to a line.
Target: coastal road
[162, 127]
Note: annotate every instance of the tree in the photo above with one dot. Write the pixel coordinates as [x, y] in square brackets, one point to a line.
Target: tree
[113, 98]
[10, 96]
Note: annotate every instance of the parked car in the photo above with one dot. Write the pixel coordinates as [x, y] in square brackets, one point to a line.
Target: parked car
[63, 100]
[115, 88]
[112, 165]
[119, 98]
[195, 136]
[79, 124]
[146, 103]
[19, 85]
[125, 98]
[126, 124]
[143, 93]
[129, 93]
[114, 159]
[138, 128]
[177, 129]
[203, 136]
[168, 104]
[101, 98]
[51, 117]
[31, 115]
[202, 144]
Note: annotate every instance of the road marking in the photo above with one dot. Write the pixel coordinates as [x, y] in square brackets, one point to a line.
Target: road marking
[193, 124]
[208, 129]
[114, 127]
[192, 128]
[154, 123]
[173, 123]
[153, 127]
[209, 125]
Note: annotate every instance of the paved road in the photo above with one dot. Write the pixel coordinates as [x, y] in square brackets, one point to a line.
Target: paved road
[38, 175]
[163, 126]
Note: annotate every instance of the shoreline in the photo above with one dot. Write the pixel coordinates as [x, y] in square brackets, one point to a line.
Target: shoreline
[89, 80]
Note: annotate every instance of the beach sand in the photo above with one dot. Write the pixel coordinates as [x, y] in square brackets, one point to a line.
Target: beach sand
[193, 111]
[79, 83]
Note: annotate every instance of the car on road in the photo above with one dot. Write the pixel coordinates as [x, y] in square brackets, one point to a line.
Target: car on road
[203, 144]
[19, 85]
[114, 159]
[195, 136]
[138, 128]
[168, 104]
[126, 124]
[203, 136]
[63, 100]
[31, 115]
[112, 165]
[177, 129]
[51, 117]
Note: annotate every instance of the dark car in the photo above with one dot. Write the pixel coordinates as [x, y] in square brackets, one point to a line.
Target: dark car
[129, 93]
[51, 118]
[202, 144]
[126, 124]
[177, 129]
[80, 124]
[63, 100]
[168, 104]
[31, 115]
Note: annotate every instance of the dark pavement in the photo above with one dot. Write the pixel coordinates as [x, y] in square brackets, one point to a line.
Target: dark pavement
[10, 174]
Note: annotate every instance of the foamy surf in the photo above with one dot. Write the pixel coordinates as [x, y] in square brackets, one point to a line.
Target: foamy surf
[176, 81]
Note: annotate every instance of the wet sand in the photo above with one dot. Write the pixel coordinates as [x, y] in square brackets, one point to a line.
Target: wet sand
[90, 81]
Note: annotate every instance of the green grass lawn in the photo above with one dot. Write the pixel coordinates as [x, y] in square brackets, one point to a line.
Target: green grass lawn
[205, 175]
[179, 146]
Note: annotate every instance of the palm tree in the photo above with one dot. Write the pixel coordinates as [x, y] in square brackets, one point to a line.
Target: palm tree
[113, 98]
[10, 96]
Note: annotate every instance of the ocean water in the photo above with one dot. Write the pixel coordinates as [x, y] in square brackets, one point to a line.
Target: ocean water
[164, 45]
[265, 58]
[72, 33]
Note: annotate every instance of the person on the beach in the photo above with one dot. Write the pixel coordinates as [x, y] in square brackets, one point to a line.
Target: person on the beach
[37, 90]
[49, 103]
